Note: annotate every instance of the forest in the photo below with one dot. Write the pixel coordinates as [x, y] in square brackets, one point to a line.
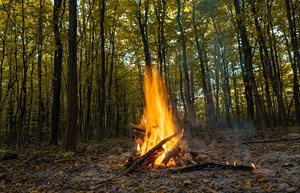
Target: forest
[73, 79]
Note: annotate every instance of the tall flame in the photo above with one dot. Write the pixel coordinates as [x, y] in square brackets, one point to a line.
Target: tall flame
[157, 118]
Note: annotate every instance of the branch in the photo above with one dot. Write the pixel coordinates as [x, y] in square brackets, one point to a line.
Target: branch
[203, 166]
[272, 140]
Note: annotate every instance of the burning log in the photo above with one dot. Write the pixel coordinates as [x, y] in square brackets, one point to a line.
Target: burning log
[203, 166]
[156, 149]
[138, 129]
[172, 153]
[151, 160]
[176, 153]
[178, 161]
[138, 134]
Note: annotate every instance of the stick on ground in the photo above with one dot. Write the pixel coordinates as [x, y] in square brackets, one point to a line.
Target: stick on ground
[272, 140]
[203, 166]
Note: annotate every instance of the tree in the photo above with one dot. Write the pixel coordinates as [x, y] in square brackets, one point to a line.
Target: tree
[56, 81]
[296, 59]
[270, 71]
[101, 78]
[250, 83]
[191, 114]
[40, 56]
[208, 96]
[71, 138]
[143, 25]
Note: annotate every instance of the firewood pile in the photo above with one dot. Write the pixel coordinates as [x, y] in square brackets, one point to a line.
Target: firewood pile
[178, 157]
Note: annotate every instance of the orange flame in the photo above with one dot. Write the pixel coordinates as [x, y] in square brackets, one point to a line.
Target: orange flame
[157, 117]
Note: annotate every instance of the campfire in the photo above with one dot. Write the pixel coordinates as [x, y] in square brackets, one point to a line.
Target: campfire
[158, 142]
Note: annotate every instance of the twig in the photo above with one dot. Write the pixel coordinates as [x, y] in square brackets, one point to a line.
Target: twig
[272, 140]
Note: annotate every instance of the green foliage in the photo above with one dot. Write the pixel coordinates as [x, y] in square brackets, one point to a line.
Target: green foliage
[218, 34]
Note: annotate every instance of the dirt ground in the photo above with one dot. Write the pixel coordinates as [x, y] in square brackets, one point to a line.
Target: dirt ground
[97, 167]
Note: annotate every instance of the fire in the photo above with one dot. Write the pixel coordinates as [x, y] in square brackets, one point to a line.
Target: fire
[157, 118]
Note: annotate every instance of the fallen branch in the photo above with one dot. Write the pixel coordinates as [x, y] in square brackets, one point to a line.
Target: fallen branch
[203, 166]
[7, 155]
[155, 149]
[272, 140]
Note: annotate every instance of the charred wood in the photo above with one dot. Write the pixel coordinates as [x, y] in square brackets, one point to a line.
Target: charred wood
[172, 153]
[138, 129]
[139, 161]
[204, 166]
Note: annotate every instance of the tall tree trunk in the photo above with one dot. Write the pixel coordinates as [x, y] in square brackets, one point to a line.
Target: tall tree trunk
[246, 50]
[3, 55]
[207, 94]
[251, 82]
[40, 56]
[71, 134]
[274, 83]
[56, 81]
[90, 64]
[101, 121]
[225, 73]
[110, 114]
[236, 94]
[296, 59]
[181, 86]
[144, 29]
[267, 90]
[23, 97]
[188, 99]
[160, 12]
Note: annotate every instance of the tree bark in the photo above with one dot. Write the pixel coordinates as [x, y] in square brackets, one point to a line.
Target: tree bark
[207, 94]
[188, 99]
[296, 58]
[144, 29]
[40, 57]
[266, 56]
[251, 82]
[71, 138]
[56, 82]
[101, 102]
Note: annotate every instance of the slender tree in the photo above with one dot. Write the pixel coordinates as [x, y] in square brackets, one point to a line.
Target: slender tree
[56, 81]
[208, 96]
[40, 56]
[296, 58]
[143, 25]
[270, 70]
[251, 82]
[101, 78]
[71, 138]
[190, 106]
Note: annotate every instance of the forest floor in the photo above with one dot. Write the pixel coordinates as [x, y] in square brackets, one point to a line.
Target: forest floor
[96, 168]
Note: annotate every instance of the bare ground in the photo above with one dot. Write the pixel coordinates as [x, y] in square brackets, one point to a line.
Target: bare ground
[97, 168]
